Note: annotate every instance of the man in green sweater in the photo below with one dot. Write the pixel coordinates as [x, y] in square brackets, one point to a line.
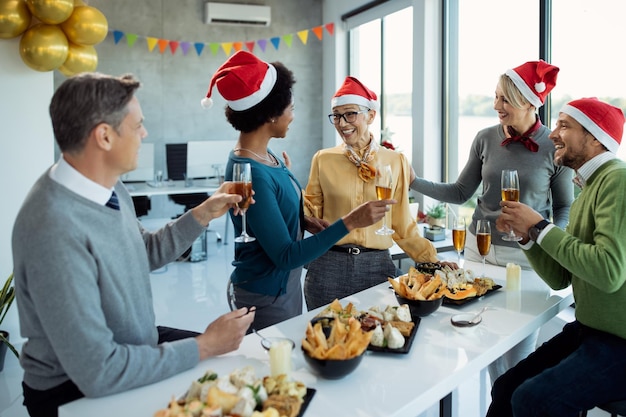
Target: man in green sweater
[584, 365]
[82, 261]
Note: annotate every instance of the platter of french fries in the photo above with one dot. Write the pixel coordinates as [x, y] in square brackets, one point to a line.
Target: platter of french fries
[346, 340]
[240, 394]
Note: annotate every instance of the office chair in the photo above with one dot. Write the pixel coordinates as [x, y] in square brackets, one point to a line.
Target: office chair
[176, 159]
[142, 205]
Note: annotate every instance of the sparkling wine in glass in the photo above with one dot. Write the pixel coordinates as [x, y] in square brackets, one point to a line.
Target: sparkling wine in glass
[383, 192]
[242, 179]
[458, 235]
[510, 192]
[483, 239]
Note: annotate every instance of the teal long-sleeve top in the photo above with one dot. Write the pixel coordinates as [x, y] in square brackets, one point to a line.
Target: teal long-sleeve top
[275, 220]
[591, 254]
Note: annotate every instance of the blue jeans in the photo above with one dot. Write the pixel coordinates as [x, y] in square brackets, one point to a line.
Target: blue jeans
[576, 370]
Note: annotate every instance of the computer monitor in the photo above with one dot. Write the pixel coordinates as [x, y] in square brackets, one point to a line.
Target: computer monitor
[205, 157]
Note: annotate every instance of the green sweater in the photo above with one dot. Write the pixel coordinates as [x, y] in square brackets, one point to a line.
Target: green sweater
[591, 254]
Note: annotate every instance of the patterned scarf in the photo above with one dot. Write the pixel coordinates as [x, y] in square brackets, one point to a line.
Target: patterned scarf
[366, 170]
[525, 139]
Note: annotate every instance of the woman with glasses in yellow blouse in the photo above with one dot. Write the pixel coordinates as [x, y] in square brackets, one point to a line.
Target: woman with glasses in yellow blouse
[343, 177]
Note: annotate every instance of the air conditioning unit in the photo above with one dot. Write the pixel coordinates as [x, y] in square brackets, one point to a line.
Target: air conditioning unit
[237, 14]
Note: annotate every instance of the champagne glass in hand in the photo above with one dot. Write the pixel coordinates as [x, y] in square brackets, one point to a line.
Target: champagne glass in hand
[510, 192]
[458, 235]
[242, 179]
[383, 192]
[483, 239]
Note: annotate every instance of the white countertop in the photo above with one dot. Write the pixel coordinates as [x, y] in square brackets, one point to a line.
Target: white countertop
[391, 385]
[151, 188]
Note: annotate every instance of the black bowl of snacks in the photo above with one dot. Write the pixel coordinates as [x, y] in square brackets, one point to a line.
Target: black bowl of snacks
[420, 308]
[428, 267]
[338, 352]
[332, 368]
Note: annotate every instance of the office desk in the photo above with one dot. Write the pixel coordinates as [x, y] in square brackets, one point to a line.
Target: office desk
[390, 385]
[149, 189]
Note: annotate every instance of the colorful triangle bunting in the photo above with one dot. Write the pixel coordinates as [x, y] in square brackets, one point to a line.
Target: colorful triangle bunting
[303, 35]
[227, 47]
[319, 31]
[131, 38]
[275, 42]
[184, 46]
[151, 43]
[173, 46]
[117, 36]
[199, 46]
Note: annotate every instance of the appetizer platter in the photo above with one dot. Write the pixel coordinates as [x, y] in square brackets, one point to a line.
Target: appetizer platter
[456, 286]
[462, 287]
[391, 329]
[241, 394]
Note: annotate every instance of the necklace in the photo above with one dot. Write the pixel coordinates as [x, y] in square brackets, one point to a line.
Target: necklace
[268, 158]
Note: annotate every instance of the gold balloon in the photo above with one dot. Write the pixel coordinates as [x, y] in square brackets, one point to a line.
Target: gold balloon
[51, 11]
[14, 18]
[81, 58]
[86, 26]
[44, 47]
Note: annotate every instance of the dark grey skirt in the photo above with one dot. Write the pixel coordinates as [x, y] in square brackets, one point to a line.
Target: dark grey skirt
[270, 308]
[338, 275]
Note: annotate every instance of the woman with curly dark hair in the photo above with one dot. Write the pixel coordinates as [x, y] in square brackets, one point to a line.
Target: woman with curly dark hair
[267, 274]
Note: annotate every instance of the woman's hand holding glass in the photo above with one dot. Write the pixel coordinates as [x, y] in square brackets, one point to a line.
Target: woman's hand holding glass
[383, 192]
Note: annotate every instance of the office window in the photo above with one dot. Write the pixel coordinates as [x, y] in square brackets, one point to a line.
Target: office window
[493, 36]
[381, 57]
[587, 44]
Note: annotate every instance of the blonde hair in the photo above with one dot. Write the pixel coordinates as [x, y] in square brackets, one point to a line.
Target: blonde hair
[512, 93]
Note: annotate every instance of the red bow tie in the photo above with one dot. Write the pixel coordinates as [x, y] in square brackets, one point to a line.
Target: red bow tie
[525, 139]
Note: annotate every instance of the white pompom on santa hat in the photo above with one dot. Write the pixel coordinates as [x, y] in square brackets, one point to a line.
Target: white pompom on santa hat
[535, 80]
[604, 121]
[352, 91]
[243, 80]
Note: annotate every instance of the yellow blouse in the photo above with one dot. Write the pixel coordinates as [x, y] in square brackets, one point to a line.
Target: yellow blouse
[334, 189]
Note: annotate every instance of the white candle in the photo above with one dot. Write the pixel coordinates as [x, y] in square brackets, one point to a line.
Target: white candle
[513, 277]
[280, 357]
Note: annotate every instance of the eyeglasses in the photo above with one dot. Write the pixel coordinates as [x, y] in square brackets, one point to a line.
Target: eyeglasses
[232, 298]
[349, 116]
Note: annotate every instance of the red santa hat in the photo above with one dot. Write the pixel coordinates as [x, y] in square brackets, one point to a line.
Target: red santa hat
[353, 91]
[243, 80]
[604, 121]
[535, 80]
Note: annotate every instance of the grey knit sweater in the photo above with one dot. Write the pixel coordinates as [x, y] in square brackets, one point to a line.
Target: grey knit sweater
[543, 186]
[83, 292]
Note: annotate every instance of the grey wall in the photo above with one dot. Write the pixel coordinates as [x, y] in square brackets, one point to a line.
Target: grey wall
[174, 84]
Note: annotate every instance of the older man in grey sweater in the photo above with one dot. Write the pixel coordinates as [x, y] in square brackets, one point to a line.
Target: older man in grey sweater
[82, 260]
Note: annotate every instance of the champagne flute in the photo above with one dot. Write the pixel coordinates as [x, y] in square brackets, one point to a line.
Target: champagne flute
[383, 192]
[483, 239]
[242, 179]
[510, 192]
[458, 235]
